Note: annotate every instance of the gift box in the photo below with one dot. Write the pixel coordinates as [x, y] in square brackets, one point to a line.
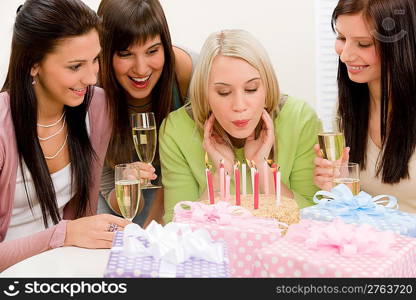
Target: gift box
[379, 211]
[336, 249]
[242, 232]
[142, 255]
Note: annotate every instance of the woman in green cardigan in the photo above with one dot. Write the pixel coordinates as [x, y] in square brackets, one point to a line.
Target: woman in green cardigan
[236, 113]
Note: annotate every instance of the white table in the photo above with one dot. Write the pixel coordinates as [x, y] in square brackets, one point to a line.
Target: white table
[62, 262]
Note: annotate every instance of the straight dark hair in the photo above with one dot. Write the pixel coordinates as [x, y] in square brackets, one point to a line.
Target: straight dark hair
[125, 23]
[39, 27]
[397, 50]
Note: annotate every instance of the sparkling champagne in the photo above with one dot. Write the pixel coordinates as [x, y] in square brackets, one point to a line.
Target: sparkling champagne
[352, 183]
[128, 197]
[145, 143]
[332, 145]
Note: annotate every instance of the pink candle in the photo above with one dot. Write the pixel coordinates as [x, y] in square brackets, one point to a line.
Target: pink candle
[222, 181]
[256, 189]
[278, 188]
[210, 187]
[237, 183]
[266, 176]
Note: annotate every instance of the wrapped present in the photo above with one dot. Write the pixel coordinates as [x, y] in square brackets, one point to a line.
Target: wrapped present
[337, 249]
[380, 211]
[236, 226]
[171, 251]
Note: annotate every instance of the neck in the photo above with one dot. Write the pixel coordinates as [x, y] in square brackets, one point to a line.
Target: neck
[374, 88]
[48, 110]
[237, 143]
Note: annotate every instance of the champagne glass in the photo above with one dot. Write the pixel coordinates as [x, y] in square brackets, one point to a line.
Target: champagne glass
[348, 174]
[145, 140]
[127, 181]
[331, 138]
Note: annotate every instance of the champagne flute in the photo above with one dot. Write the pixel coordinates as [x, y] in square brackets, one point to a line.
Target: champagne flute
[331, 138]
[127, 181]
[348, 174]
[145, 140]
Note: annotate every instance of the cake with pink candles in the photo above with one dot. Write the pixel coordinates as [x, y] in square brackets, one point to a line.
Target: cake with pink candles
[287, 212]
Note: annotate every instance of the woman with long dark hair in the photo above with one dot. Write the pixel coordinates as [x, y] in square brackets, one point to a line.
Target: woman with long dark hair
[141, 72]
[54, 133]
[376, 44]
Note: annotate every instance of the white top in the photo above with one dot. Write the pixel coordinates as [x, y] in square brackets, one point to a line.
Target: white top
[404, 191]
[24, 221]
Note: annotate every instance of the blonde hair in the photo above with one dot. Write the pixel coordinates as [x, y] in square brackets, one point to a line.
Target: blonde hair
[234, 43]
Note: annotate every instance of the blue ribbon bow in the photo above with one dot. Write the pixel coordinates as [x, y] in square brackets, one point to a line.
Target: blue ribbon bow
[356, 208]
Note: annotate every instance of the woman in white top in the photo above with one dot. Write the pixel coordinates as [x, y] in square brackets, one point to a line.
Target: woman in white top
[376, 44]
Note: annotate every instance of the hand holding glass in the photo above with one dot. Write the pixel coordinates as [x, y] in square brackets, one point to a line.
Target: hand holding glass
[127, 181]
[348, 174]
[145, 140]
[331, 138]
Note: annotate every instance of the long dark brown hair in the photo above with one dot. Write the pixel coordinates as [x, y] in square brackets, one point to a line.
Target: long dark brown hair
[39, 27]
[125, 23]
[397, 50]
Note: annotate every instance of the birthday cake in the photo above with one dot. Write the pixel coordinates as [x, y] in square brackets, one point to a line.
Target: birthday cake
[287, 212]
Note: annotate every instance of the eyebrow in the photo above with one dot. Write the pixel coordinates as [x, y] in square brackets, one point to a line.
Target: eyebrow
[156, 44]
[355, 37]
[82, 60]
[227, 84]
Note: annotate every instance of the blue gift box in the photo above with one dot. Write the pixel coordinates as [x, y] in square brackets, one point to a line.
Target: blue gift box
[361, 209]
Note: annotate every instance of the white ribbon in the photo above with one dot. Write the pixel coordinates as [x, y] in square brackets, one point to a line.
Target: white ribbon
[172, 244]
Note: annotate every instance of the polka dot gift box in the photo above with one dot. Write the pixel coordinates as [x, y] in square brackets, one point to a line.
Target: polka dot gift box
[242, 232]
[380, 211]
[336, 249]
[173, 251]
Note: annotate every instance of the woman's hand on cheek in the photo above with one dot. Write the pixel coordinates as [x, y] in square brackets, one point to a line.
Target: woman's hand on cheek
[216, 147]
[258, 149]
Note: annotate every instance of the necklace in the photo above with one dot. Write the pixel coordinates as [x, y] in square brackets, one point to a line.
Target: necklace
[59, 150]
[53, 124]
[54, 134]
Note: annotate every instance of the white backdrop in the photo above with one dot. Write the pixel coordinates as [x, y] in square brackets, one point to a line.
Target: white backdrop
[285, 28]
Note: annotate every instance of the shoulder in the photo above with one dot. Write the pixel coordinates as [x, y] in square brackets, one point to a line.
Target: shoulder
[98, 98]
[296, 111]
[183, 67]
[178, 123]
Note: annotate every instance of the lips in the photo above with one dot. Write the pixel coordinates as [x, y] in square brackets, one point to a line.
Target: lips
[355, 69]
[79, 92]
[140, 82]
[240, 123]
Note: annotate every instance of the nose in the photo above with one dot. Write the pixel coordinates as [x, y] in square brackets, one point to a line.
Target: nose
[140, 66]
[238, 103]
[347, 53]
[90, 76]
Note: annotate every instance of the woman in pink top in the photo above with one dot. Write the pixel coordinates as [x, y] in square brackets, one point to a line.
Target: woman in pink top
[54, 128]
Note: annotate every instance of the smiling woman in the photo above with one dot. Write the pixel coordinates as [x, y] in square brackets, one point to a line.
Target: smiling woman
[239, 113]
[376, 44]
[55, 131]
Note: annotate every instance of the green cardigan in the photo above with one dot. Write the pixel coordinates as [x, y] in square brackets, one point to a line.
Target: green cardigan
[183, 164]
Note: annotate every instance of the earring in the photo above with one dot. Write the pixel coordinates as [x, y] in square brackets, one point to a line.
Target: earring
[34, 81]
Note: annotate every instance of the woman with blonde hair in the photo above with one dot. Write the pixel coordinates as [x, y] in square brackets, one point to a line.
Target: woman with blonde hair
[236, 112]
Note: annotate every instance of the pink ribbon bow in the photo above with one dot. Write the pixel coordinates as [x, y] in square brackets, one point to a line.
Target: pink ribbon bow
[222, 213]
[338, 237]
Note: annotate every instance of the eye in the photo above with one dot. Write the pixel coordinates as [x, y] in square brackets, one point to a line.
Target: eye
[123, 53]
[340, 38]
[223, 93]
[250, 91]
[153, 50]
[75, 67]
[365, 45]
